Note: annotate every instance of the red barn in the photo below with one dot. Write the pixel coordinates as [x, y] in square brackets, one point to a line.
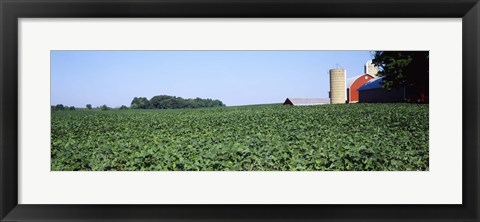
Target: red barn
[353, 84]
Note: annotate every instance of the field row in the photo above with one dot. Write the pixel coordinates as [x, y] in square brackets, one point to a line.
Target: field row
[260, 138]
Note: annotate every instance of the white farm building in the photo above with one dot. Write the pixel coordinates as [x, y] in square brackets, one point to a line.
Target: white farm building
[306, 101]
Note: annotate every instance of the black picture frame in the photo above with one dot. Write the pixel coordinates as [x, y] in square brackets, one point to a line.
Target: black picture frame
[12, 10]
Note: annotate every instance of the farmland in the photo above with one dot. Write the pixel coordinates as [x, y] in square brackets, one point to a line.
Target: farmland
[345, 137]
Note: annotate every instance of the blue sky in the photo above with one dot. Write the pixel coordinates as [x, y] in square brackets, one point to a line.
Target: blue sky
[234, 77]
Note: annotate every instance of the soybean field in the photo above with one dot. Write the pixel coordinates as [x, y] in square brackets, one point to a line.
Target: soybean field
[344, 137]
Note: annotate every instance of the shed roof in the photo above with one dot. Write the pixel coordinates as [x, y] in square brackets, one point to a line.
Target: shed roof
[352, 79]
[307, 101]
[372, 84]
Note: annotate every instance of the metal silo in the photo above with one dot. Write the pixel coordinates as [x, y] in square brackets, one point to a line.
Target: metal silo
[338, 89]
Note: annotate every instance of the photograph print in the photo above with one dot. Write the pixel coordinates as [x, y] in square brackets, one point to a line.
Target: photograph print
[279, 110]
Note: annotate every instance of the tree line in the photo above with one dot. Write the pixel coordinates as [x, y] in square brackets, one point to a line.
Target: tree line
[156, 102]
[60, 107]
[172, 102]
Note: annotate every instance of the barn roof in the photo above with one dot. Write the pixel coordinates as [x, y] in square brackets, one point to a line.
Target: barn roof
[352, 79]
[307, 101]
[372, 84]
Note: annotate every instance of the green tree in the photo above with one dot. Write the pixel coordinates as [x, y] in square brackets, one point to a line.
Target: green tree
[217, 103]
[172, 102]
[199, 102]
[104, 107]
[59, 107]
[89, 106]
[168, 103]
[134, 103]
[123, 107]
[71, 108]
[133, 106]
[156, 101]
[405, 69]
[140, 103]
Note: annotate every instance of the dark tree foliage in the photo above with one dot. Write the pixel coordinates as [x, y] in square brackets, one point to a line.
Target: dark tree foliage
[140, 103]
[104, 107]
[123, 107]
[61, 107]
[173, 102]
[89, 106]
[158, 102]
[405, 69]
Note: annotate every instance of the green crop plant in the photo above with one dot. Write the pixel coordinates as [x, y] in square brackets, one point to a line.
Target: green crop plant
[345, 137]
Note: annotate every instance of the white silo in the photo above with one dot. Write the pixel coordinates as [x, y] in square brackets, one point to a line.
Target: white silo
[338, 86]
[371, 69]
